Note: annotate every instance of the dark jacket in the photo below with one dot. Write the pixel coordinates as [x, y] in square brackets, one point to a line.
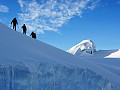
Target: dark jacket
[14, 21]
[33, 35]
[24, 28]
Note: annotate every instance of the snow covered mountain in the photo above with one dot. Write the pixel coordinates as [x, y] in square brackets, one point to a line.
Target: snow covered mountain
[29, 64]
[86, 47]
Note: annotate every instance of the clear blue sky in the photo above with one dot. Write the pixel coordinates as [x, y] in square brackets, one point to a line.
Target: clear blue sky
[101, 24]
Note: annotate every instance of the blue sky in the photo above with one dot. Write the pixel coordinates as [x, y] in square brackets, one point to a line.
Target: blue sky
[65, 23]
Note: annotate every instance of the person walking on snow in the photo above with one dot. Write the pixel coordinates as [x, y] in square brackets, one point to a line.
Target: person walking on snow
[14, 21]
[33, 35]
[24, 29]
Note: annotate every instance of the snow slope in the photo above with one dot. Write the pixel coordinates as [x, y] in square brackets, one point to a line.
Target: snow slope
[103, 53]
[84, 48]
[114, 55]
[29, 64]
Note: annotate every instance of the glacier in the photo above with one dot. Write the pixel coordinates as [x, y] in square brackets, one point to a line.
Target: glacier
[29, 64]
[50, 77]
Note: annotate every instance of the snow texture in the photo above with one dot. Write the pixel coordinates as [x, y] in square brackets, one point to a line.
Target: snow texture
[29, 64]
[50, 77]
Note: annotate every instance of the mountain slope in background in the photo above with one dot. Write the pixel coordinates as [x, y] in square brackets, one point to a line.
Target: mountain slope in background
[29, 64]
[88, 48]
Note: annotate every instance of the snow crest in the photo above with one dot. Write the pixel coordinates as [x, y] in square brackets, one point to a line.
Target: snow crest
[86, 47]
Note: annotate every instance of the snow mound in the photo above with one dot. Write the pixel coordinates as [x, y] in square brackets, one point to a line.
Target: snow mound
[86, 47]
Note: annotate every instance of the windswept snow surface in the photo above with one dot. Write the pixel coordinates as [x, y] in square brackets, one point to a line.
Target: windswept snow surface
[29, 64]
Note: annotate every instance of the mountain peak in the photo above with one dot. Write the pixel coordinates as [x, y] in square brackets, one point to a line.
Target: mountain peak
[86, 47]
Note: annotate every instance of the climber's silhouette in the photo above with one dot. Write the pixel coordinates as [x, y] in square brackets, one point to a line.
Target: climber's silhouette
[33, 35]
[24, 29]
[14, 21]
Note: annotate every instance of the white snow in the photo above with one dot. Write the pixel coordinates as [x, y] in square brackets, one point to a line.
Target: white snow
[107, 59]
[84, 48]
[29, 64]
[107, 53]
[114, 55]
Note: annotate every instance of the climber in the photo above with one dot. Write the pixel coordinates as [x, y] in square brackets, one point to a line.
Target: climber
[24, 29]
[14, 21]
[33, 35]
